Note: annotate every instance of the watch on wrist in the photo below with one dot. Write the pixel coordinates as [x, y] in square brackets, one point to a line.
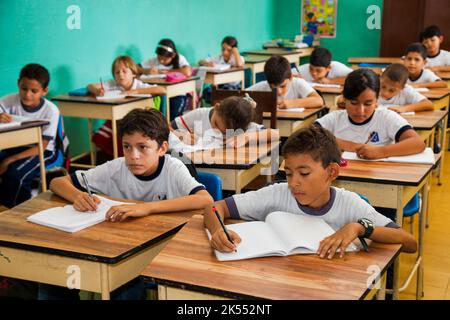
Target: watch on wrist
[368, 227]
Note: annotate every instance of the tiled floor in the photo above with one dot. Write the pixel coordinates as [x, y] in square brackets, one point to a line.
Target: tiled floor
[436, 244]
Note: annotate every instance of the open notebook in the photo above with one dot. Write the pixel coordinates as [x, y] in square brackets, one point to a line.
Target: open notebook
[70, 220]
[117, 95]
[153, 76]
[292, 110]
[426, 157]
[217, 67]
[17, 121]
[206, 142]
[282, 234]
[324, 85]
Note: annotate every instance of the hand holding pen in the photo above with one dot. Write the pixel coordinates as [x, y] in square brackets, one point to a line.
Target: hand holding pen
[227, 243]
[86, 201]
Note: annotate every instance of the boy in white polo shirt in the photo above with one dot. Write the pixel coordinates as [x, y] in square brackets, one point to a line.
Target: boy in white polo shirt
[312, 163]
[321, 68]
[363, 128]
[292, 92]
[415, 62]
[399, 96]
[438, 59]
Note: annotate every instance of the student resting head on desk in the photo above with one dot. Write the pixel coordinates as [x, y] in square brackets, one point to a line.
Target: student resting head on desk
[230, 54]
[399, 96]
[145, 173]
[312, 159]
[363, 128]
[438, 59]
[321, 68]
[415, 62]
[19, 166]
[292, 92]
[231, 118]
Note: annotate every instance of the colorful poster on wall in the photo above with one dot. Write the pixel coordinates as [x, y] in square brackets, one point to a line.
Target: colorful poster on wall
[319, 18]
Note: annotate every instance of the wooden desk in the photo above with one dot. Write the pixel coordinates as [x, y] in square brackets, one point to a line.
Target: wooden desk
[329, 95]
[227, 76]
[23, 135]
[188, 269]
[390, 185]
[289, 122]
[256, 64]
[293, 56]
[175, 89]
[444, 76]
[107, 254]
[374, 60]
[237, 167]
[91, 108]
[439, 97]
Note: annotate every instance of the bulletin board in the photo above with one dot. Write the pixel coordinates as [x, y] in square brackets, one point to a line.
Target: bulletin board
[319, 18]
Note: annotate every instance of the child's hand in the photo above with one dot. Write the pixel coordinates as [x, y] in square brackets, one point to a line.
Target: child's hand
[219, 240]
[129, 92]
[398, 109]
[187, 137]
[208, 63]
[100, 92]
[5, 117]
[154, 70]
[324, 80]
[237, 141]
[4, 165]
[370, 152]
[84, 202]
[282, 104]
[340, 240]
[121, 212]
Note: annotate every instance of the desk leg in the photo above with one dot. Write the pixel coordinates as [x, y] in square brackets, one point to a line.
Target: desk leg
[114, 138]
[399, 221]
[381, 294]
[253, 76]
[422, 218]
[194, 96]
[105, 282]
[41, 160]
[167, 107]
[91, 144]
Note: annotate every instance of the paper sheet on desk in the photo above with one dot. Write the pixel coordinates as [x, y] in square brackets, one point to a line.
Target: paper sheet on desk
[207, 142]
[324, 85]
[292, 109]
[426, 157]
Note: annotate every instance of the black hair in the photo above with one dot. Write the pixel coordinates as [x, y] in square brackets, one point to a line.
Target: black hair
[396, 72]
[236, 112]
[167, 48]
[277, 69]
[231, 41]
[417, 47]
[320, 57]
[360, 80]
[430, 32]
[36, 72]
[151, 123]
[316, 141]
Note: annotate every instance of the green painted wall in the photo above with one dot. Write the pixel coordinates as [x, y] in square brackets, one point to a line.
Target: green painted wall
[353, 37]
[35, 31]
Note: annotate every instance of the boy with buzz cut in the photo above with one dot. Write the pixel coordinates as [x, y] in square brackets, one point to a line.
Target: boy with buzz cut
[19, 166]
[321, 68]
[397, 95]
[145, 173]
[292, 92]
[438, 59]
[415, 61]
[312, 159]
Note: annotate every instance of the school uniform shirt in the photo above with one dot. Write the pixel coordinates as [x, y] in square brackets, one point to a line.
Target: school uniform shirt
[406, 96]
[45, 111]
[199, 121]
[344, 207]
[425, 77]
[154, 62]
[298, 88]
[171, 180]
[387, 125]
[441, 59]
[232, 62]
[112, 85]
[338, 70]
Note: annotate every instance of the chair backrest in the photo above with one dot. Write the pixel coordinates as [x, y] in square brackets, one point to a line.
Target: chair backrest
[212, 183]
[62, 143]
[266, 101]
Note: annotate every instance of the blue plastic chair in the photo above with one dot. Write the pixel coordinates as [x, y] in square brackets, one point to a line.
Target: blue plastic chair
[212, 183]
[411, 209]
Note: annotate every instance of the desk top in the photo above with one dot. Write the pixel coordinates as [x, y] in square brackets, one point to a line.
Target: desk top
[25, 125]
[329, 90]
[277, 51]
[436, 94]
[425, 120]
[188, 262]
[295, 116]
[232, 69]
[443, 75]
[229, 158]
[405, 174]
[163, 82]
[252, 59]
[93, 100]
[105, 242]
[375, 60]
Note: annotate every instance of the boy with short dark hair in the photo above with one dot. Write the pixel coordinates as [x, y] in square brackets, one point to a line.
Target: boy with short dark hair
[438, 59]
[292, 92]
[19, 166]
[312, 159]
[321, 68]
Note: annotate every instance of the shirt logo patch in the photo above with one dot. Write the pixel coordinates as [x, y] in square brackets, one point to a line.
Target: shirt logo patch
[375, 138]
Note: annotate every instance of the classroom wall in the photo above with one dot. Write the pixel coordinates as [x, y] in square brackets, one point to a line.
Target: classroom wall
[353, 37]
[35, 31]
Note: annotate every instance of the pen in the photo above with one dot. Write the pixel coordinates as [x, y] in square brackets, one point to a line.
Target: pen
[364, 244]
[296, 68]
[222, 224]
[370, 137]
[101, 83]
[87, 185]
